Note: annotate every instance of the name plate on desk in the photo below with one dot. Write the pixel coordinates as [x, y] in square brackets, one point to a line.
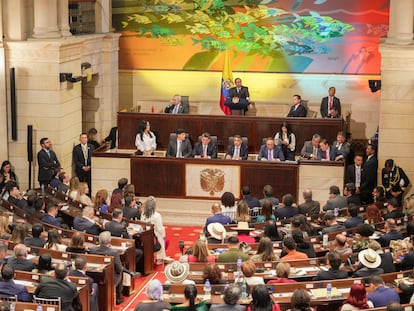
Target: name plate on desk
[211, 181]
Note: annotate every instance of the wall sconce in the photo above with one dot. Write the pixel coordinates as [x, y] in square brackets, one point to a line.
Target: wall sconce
[374, 85]
[65, 76]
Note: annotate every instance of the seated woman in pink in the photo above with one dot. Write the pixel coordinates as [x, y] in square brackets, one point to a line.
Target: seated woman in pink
[201, 253]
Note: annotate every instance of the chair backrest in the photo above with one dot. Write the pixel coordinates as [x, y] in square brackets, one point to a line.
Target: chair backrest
[245, 140]
[213, 139]
[185, 99]
[8, 298]
[47, 301]
[173, 136]
[255, 211]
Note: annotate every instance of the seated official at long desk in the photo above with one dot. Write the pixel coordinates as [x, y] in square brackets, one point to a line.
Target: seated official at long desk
[205, 148]
[176, 106]
[239, 92]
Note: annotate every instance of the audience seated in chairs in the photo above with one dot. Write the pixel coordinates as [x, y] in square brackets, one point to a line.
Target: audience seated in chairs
[282, 274]
[19, 261]
[233, 253]
[216, 233]
[36, 239]
[190, 303]
[154, 292]
[249, 269]
[369, 263]
[212, 273]
[201, 253]
[265, 251]
[291, 252]
[268, 195]
[231, 297]
[248, 198]
[334, 260]
[301, 300]
[266, 212]
[287, 210]
[228, 205]
[272, 232]
[218, 216]
[177, 273]
[242, 213]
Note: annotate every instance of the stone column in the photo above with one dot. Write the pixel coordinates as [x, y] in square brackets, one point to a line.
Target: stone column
[63, 18]
[401, 22]
[46, 19]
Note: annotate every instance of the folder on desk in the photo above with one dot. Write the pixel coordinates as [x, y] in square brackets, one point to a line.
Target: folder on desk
[319, 293]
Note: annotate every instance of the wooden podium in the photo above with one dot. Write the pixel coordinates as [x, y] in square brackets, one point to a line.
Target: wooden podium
[239, 108]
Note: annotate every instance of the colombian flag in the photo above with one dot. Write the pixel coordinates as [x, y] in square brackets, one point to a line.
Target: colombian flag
[226, 82]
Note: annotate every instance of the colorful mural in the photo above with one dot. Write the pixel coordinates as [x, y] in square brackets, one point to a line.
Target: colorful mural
[298, 36]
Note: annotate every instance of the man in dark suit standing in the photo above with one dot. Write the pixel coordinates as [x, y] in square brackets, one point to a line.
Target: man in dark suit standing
[86, 223]
[270, 152]
[206, 148]
[239, 92]
[369, 175]
[80, 271]
[353, 173]
[297, 109]
[237, 150]
[104, 248]
[330, 102]
[176, 106]
[47, 161]
[82, 154]
[180, 147]
[112, 137]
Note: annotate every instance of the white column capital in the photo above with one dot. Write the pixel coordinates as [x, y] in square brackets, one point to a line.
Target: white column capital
[401, 22]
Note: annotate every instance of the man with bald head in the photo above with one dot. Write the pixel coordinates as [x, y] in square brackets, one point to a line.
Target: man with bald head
[218, 216]
[342, 246]
[309, 207]
[19, 261]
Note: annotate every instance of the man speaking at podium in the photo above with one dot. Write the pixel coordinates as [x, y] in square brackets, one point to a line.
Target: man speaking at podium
[239, 94]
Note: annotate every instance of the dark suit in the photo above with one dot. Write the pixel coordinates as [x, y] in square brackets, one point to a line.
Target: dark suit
[54, 288]
[336, 103]
[393, 214]
[93, 287]
[286, 212]
[186, 149]
[385, 239]
[22, 203]
[82, 224]
[211, 150]
[243, 93]
[354, 199]
[243, 152]
[299, 112]
[9, 288]
[117, 229]
[337, 202]
[62, 188]
[38, 242]
[51, 220]
[350, 174]
[21, 264]
[353, 222]
[307, 150]
[309, 207]
[333, 152]
[80, 161]
[105, 250]
[112, 137]
[131, 212]
[48, 164]
[331, 274]
[368, 179]
[182, 108]
[277, 153]
[342, 149]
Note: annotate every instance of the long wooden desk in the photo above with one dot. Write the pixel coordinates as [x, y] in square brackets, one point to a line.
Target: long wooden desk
[254, 128]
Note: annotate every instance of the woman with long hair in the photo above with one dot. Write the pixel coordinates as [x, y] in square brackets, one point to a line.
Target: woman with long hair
[266, 212]
[301, 222]
[154, 302]
[83, 194]
[357, 299]
[7, 172]
[44, 265]
[145, 141]
[74, 188]
[190, 303]
[373, 214]
[265, 251]
[19, 233]
[228, 206]
[201, 253]
[271, 231]
[101, 200]
[242, 213]
[287, 140]
[300, 300]
[152, 216]
[261, 300]
[76, 244]
[54, 241]
[4, 228]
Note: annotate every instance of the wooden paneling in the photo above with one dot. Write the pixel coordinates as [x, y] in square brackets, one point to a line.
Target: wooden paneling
[254, 128]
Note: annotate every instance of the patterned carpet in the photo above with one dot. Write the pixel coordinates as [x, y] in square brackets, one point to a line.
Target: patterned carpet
[174, 236]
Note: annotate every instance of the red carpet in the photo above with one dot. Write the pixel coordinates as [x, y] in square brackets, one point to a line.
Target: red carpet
[174, 235]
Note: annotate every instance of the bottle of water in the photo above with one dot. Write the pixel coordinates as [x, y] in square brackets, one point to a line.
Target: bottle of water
[238, 272]
[207, 290]
[405, 218]
[227, 285]
[329, 291]
[39, 307]
[336, 212]
[244, 291]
